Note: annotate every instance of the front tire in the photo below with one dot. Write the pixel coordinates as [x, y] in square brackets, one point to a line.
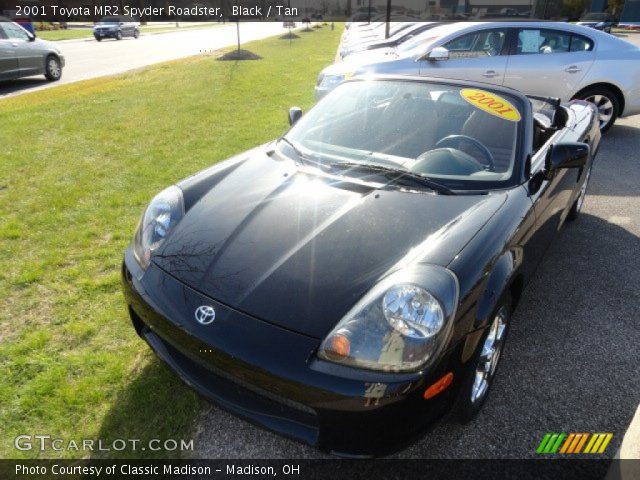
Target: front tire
[576, 208]
[52, 68]
[136, 33]
[607, 103]
[118, 35]
[481, 372]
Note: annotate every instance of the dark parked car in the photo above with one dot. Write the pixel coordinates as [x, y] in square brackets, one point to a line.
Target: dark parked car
[116, 27]
[599, 21]
[24, 55]
[347, 283]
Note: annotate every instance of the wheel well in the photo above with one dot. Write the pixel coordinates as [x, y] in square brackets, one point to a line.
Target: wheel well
[515, 289]
[611, 87]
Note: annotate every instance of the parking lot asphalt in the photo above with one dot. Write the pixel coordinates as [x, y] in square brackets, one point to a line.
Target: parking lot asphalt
[87, 58]
[571, 359]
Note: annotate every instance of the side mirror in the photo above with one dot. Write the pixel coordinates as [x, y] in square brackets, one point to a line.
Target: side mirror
[438, 54]
[567, 155]
[294, 115]
[32, 37]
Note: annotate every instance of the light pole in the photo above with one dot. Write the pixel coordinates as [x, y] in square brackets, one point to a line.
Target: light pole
[388, 26]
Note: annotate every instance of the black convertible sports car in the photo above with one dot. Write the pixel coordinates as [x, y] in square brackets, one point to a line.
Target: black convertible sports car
[348, 283]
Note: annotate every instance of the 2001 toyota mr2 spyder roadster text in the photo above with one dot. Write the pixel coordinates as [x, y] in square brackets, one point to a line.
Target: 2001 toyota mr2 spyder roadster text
[348, 283]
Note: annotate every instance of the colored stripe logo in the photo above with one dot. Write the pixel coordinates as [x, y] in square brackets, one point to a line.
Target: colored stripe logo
[563, 443]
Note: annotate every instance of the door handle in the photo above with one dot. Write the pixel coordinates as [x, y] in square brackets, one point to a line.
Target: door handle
[490, 74]
[573, 69]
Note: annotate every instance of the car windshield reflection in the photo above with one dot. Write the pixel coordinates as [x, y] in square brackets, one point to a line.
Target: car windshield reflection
[459, 136]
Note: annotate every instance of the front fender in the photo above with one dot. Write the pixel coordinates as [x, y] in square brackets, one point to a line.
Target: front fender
[501, 277]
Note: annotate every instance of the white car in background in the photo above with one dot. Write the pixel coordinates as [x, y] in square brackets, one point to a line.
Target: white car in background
[396, 37]
[549, 59]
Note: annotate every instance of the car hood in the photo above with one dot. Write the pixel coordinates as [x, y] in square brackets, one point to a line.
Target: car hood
[47, 44]
[298, 249]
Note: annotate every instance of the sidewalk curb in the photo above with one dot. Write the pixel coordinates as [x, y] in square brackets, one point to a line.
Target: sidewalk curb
[625, 464]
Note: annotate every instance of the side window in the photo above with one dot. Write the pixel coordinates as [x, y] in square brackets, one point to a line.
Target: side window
[2, 34]
[532, 40]
[486, 43]
[15, 32]
[581, 44]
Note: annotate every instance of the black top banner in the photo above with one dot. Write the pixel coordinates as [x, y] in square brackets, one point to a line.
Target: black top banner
[314, 10]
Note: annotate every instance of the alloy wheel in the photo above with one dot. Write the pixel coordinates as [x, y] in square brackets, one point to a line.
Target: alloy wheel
[605, 108]
[54, 68]
[489, 356]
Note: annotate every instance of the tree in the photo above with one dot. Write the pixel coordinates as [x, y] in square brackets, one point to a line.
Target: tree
[575, 8]
[615, 7]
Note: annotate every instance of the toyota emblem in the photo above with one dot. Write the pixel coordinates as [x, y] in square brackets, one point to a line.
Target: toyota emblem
[205, 314]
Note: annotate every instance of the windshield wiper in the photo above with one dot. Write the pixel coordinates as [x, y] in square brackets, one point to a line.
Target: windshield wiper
[400, 173]
[301, 155]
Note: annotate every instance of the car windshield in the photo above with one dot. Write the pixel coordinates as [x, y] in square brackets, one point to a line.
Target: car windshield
[465, 138]
[424, 39]
[110, 20]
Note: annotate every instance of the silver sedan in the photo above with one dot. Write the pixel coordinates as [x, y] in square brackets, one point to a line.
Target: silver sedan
[24, 55]
[549, 59]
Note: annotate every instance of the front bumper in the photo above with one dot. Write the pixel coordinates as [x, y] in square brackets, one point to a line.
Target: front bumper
[105, 33]
[271, 376]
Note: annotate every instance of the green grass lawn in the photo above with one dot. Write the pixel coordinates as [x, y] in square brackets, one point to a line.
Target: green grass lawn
[69, 34]
[79, 163]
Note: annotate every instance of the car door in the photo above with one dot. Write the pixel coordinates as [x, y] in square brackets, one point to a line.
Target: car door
[8, 58]
[28, 52]
[551, 194]
[548, 62]
[479, 56]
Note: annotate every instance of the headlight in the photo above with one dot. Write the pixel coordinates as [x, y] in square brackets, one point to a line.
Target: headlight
[412, 311]
[160, 218]
[401, 325]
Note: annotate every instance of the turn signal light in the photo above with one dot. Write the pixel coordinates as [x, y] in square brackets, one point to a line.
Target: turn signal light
[339, 347]
[438, 386]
